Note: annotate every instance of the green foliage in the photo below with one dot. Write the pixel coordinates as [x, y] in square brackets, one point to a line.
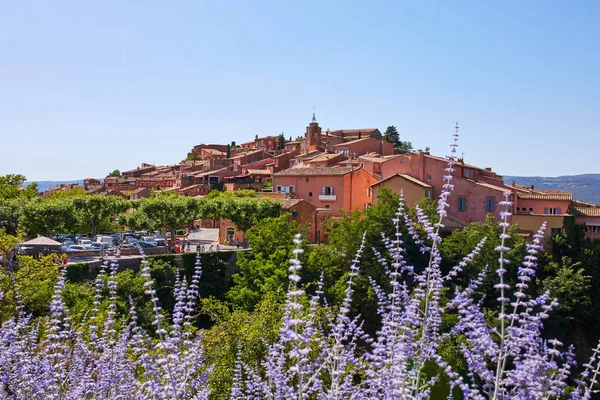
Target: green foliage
[46, 216]
[78, 272]
[214, 282]
[281, 141]
[571, 286]
[8, 243]
[73, 192]
[391, 135]
[193, 156]
[462, 242]
[248, 331]
[91, 210]
[265, 268]
[34, 279]
[163, 211]
[115, 174]
[243, 212]
[11, 187]
[228, 151]
[10, 213]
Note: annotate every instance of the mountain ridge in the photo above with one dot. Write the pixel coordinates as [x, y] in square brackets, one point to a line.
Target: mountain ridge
[585, 187]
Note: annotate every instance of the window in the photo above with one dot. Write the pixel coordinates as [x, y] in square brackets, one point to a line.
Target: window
[530, 210]
[307, 179]
[324, 218]
[327, 190]
[345, 152]
[369, 192]
[327, 206]
[429, 177]
[462, 204]
[309, 194]
[468, 173]
[428, 194]
[489, 204]
[551, 211]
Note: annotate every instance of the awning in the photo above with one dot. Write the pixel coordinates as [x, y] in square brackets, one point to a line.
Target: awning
[592, 223]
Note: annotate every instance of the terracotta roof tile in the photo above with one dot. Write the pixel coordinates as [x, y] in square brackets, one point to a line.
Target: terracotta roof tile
[544, 195]
[407, 177]
[587, 211]
[314, 171]
[259, 172]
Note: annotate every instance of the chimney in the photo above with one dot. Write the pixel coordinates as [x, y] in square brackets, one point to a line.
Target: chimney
[489, 169]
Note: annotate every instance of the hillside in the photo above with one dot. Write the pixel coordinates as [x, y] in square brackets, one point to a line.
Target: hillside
[584, 187]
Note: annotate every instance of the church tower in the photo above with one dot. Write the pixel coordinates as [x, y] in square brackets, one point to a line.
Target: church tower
[312, 136]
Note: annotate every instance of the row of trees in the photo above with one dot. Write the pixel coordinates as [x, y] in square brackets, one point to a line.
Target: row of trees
[74, 211]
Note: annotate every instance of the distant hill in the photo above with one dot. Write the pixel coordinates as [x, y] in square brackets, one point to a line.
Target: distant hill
[584, 187]
[45, 185]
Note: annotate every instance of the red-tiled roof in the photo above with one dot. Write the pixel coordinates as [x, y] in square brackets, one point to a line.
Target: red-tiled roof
[353, 141]
[366, 131]
[407, 177]
[536, 194]
[259, 172]
[313, 171]
[587, 211]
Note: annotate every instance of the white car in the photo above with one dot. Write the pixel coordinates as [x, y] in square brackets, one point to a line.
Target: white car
[76, 247]
[85, 242]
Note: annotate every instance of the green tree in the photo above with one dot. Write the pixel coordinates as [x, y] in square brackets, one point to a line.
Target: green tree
[11, 187]
[391, 135]
[93, 209]
[192, 156]
[243, 212]
[233, 144]
[228, 151]
[10, 213]
[116, 174]
[265, 268]
[404, 147]
[73, 192]
[170, 212]
[34, 279]
[46, 216]
[281, 142]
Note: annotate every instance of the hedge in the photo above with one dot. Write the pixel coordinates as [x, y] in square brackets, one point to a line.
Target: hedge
[78, 272]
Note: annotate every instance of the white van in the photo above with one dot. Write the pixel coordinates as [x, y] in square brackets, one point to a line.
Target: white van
[107, 241]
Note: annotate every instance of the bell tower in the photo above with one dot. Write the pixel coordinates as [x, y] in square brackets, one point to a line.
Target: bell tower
[313, 134]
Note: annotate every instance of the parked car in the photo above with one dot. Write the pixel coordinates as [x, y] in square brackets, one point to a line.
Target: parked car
[130, 240]
[146, 244]
[159, 239]
[103, 239]
[76, 247]
[127, 246]
[67, 243]
[85, 242]
[148, 239]
[95, 246]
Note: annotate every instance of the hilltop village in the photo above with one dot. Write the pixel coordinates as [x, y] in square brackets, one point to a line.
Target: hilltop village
[322, 174]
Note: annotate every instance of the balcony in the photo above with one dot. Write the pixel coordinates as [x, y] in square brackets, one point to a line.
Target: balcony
[327, 197]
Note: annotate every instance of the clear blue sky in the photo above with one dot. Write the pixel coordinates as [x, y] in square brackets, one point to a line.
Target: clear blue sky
[87, 87]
